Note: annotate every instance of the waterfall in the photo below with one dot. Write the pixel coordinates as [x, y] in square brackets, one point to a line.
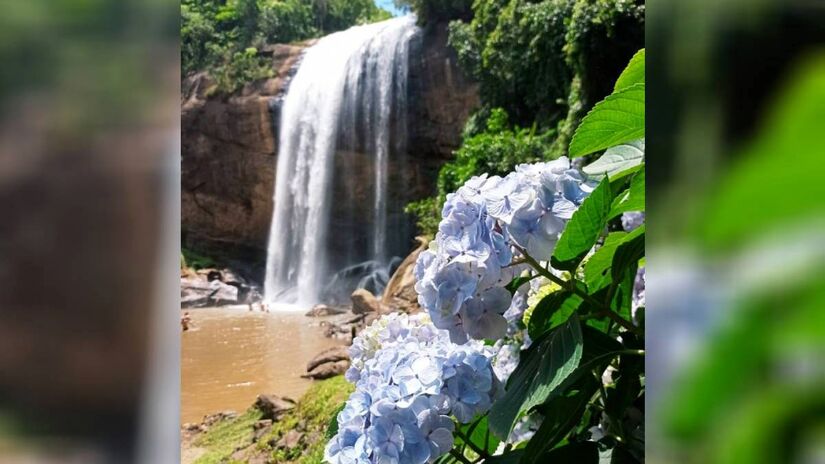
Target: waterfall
[341, 125]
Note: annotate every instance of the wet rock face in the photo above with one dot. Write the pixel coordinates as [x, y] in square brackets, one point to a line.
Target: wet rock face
[229, 147]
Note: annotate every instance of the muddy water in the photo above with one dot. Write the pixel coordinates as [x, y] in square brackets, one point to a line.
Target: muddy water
[229, 356]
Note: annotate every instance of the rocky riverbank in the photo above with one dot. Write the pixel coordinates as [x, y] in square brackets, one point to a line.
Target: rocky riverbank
[272, 430]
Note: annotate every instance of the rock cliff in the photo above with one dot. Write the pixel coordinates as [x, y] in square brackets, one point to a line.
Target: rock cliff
[230, 146]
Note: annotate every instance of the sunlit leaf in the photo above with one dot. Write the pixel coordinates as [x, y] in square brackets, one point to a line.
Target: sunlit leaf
[634, 73]
[584, 228]
[617, 119]
[617, 159]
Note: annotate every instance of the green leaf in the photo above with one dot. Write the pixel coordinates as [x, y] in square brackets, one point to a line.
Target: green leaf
[595, 270]
[552, 311]
[634, 73]
[629, 252]
[586, 452]
[560, 415]
[633, 199]
[332, 429]
[514, 284]
[584, 228]
[478, 433]
[544, 366]
[617, 159]
[599, 349]
[617, 119]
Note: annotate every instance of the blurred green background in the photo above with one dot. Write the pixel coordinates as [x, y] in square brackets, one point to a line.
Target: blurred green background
[736, 249]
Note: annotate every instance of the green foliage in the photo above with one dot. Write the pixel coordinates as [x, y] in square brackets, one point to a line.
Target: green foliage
[526, 54]
[617, 119]
[515, 50]
[216, 35]
[533, 61]
[543, 367]
[584, 228]
[427, 212]
[195, 260]
[496, 151]
[433, 11]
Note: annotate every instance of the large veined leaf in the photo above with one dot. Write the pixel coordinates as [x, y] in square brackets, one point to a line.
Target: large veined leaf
[617, 119]
[478, 434]
[595, 270]
[634, 73]
[543, 367]
[584, 228]
[552, 311]
[633, 199]
[617, 159]
[560, 415]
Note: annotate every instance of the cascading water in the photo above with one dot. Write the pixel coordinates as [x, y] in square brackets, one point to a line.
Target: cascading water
[341, 125]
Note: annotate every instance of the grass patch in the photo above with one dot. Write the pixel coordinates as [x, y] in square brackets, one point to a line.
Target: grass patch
[311, 416]
[224, 438]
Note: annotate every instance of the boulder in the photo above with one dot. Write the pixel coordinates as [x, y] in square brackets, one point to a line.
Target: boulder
[364, 302]
[331, 355]
[320, 310]
[290, 440]
[261, 428]
[198, 292]
[273, 407]
[325, 371]
[400, 292]
[212, 419]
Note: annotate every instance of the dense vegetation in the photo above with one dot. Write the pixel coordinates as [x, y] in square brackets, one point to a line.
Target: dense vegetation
[225, 36]
[540, 64]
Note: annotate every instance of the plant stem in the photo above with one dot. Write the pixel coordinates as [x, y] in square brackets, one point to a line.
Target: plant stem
[460, 457]
[570, 286]
[471, 445]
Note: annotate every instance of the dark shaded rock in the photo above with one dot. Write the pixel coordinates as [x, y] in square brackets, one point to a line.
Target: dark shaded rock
[364, 302]
[331, 355]
[325, 371]
[272, 406]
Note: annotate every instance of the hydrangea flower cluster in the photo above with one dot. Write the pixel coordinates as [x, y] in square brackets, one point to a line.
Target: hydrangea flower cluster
[460, 280]
[410, 379]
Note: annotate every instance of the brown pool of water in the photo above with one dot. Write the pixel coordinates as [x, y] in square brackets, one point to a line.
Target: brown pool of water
[230, 356]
